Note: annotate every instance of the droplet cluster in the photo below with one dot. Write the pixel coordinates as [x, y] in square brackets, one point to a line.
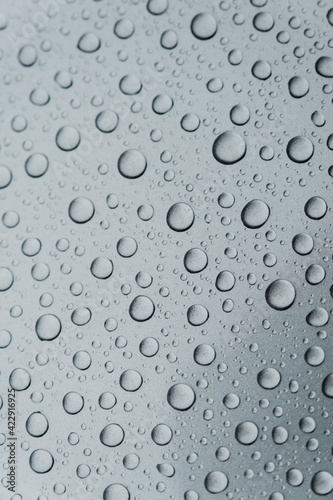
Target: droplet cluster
[166, 248]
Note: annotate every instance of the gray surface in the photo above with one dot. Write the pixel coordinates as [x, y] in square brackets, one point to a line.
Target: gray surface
[181, 167]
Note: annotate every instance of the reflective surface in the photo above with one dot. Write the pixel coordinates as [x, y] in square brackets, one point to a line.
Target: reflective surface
[166, 248]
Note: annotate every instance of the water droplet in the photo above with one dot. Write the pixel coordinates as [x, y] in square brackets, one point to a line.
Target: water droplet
[132, 164]
[36, 165]
[112, 435]
[229, 148]
[19, 379]
[246, 433]
[107, 121]
[81, 210]
[181, 397]
[255, 214]
[6, 279]
[180, 217]
[269, 378]
[203, 26]
[197, 315]
[48, 327]
[324, 66]
[89, 42]
[142, 308]
[315, 208]
[73, 403]
[300, 149]
[41, 461]
[280, 294]
[68, 138]
[116, 491]
[101, 268]
[216, 482]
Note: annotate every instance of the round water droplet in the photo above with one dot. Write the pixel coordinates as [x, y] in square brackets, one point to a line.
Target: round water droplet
[31, 246]
[263, 21]
[130, 380]
[322, 483]
[82, 360]
[231, 401]
[229, 148]
[107, 400]
[300, 149]
[255, 214]
[39, 97]
[302, 244]
[145, 212]
[37, 424]
[324, 66]
[294, 477]
[298, 86]
[226, 200]
[239, 114]
[157, 7]
[130, 85]
[5, 339]
[81, 316]
[27, 55]
[216, 482]
[225, 281]
[63, 79]
[149, 347]
[180, 217]
[116, 491]
[327, 386]
[269, 378]
[6, 279]
[124, 28]
[246, 433]
[280, 294]
[68, 138]
[315, 274]
[161, 434]
[317, 317]
[36, 165]
[181, 397]
[107, 121]
[169, 39]
[112, 435]
[315, 208]
[142, 308]
[127, 247]
[89, 42]
[307, 424]
[41, 461]
[131, 461]
[279, 435]
[261, 70]
[197, 315]
[190, 122]
[101, 268]
[19, 379]
[314, 356]
[203, 26]
[73, 403]
[5, 176]
[48, 327]
[81, 210]
[204, 354]
[195, 260]
[162, 103]
[132, 164]
[222, 454]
